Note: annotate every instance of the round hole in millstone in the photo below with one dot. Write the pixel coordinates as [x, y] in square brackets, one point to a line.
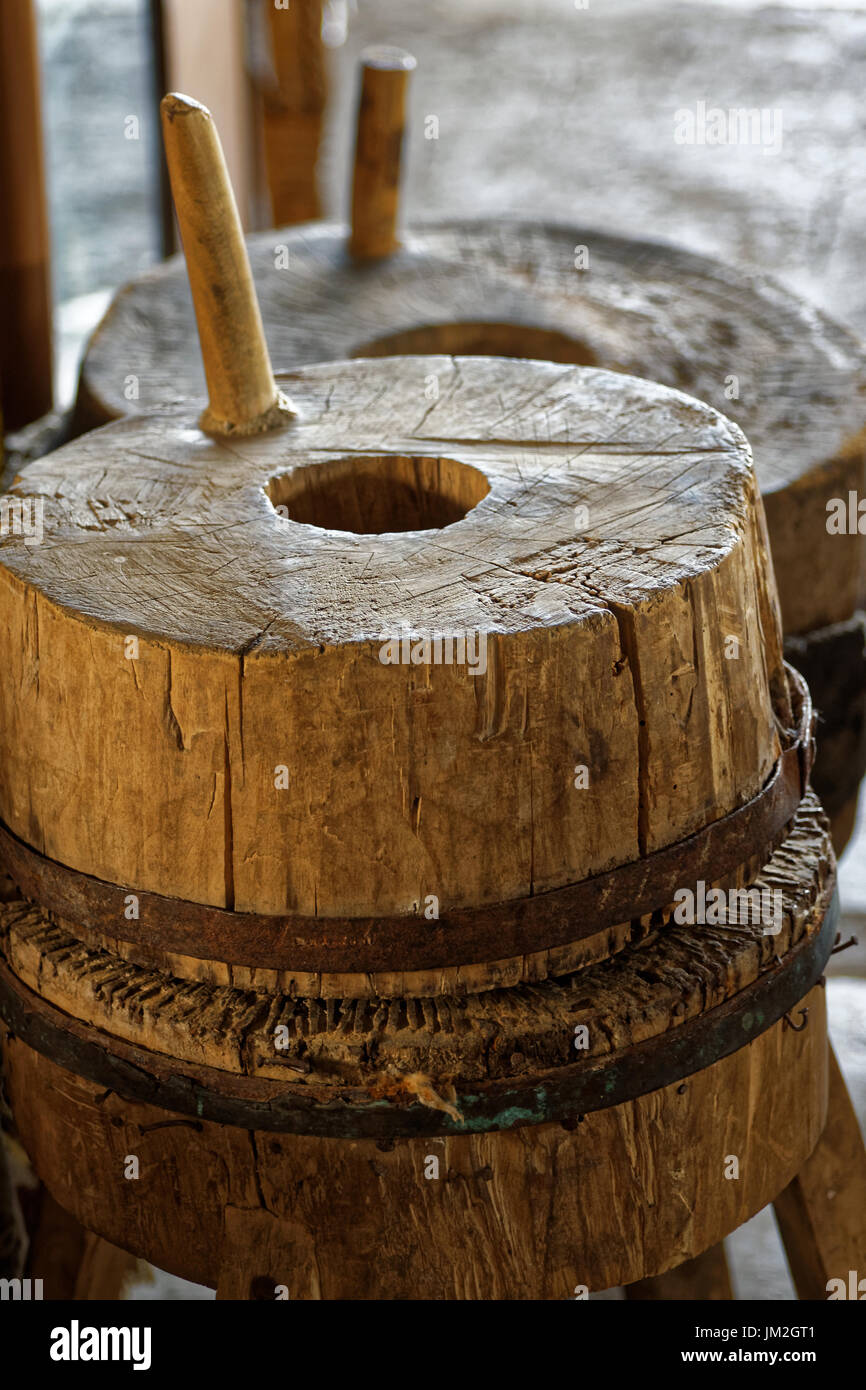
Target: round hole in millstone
[373, 494]
[482, 340]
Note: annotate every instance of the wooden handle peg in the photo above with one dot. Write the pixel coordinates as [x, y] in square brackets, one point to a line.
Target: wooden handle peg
[243, 395]
[381, 120]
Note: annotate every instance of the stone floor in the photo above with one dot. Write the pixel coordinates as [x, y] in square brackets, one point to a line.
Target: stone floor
[557, 111]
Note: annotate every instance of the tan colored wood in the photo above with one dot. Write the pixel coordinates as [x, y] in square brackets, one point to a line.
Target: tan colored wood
[501, 973]
[705, 1278]
[528, 1213]
[259, 641]
[513, 289]
[673, 977]
[244, 398]
[821, 1214]
[293, 101]
[379, 142]
[25, 292]
[264, 1216]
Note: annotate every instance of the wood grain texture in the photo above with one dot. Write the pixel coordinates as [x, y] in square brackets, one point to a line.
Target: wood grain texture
[669, 978]
[821, 1214]
[279, 1244]
[378, 147]
[529, 1214]
[242, 394]
[511, 289]
[259, 642]
[216, 964]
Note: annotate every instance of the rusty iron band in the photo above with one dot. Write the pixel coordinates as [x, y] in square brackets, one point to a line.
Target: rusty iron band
[563, 1095]
[462, 936]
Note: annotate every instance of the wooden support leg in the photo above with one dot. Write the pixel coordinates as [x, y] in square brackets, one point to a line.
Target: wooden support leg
[105, 1271]
[706, 1278]
[821, 1215]
[56, 1247]
[74, 1263]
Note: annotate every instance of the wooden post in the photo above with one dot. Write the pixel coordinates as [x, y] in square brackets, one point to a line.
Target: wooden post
[25, 297]
[381, 119]
[243, 395]
[294, 97]
[821, 1215]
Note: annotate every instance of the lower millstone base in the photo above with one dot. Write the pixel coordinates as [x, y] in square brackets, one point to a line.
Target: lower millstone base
[530, 1213]
[381, 1190]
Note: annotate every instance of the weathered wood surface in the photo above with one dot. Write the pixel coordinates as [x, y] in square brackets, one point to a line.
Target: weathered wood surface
[672, 977]
[378, 147]
[243, 396]
[821, 1214]
[260, 1215]
[259, 641]
[529, 1213]
[225, 953]
[513, 289]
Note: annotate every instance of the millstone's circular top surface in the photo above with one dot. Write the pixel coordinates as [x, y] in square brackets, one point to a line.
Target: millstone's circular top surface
[155, 528]
[795, 381]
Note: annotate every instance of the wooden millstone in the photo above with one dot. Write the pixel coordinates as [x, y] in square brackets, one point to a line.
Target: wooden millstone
[514, 290]
[248, 1210]
[609, 643]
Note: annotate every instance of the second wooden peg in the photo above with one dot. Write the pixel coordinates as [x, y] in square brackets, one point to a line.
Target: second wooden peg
[381, 119]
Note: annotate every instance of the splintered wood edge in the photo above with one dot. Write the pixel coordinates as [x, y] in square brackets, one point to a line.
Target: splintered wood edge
[675, 975]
